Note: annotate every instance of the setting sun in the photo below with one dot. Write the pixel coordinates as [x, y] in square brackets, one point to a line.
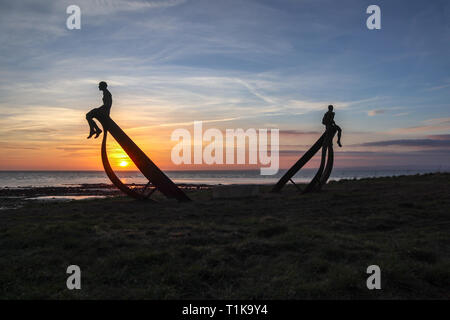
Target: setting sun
[123, 164]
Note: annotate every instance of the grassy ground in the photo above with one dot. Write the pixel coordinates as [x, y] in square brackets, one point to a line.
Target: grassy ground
[276, 246]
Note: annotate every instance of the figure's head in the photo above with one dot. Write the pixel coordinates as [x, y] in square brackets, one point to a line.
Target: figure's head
[330, 107]
[102, 85]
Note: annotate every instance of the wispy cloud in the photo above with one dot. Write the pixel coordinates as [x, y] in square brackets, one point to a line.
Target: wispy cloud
[431, 125]
[107, 7]
[438, 87]
[376, 112]
[401, 114]
[409, 143]
[439, 137]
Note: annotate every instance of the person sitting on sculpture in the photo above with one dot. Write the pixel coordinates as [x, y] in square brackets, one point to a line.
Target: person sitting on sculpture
[330, 125]
[100, 111]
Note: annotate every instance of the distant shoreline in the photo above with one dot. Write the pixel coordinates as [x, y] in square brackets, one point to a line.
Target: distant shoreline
[32, 179]
[441, 168]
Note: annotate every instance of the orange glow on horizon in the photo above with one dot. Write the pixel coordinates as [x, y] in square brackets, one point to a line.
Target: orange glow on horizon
[74, 152]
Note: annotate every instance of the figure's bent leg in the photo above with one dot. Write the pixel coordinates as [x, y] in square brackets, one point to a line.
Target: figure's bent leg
[339, 134]
[92, 125]
[99, 131]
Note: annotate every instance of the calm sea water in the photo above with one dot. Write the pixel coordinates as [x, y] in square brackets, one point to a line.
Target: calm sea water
[14, 179]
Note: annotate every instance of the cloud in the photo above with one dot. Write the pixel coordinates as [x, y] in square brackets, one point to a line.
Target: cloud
[439, 137]
[430, 125]
[438, 87]
[108, 7]
[372, 113]
[407, 155]
[408, 143]
[298, 132]
[182, 124]
[17, 146]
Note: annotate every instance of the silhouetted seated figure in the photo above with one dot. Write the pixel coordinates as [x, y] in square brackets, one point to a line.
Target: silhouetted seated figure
[328, 121]
[104, 109]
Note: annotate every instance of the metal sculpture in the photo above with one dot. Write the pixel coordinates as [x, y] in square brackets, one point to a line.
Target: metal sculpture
[156, 177]
[326, 164]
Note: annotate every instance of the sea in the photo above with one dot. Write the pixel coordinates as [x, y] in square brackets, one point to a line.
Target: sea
[31, 179]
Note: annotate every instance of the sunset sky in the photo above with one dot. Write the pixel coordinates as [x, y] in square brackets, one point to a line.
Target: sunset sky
[232, 64]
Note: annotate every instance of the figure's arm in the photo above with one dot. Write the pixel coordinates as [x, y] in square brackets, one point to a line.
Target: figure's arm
[103, 99]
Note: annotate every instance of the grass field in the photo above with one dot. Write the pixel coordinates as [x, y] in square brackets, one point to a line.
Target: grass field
[275, 246]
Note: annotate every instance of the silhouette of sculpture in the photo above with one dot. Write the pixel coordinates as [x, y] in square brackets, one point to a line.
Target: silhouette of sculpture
[326, 164]
[330, 125]
[104, 109]
[155, 176]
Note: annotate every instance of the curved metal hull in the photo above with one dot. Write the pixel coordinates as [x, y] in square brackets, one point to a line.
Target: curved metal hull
[325, 168]
[299, 164]
[142, 162]
[113, 177]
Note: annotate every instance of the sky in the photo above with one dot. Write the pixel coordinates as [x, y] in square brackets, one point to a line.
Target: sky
[231, 64]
